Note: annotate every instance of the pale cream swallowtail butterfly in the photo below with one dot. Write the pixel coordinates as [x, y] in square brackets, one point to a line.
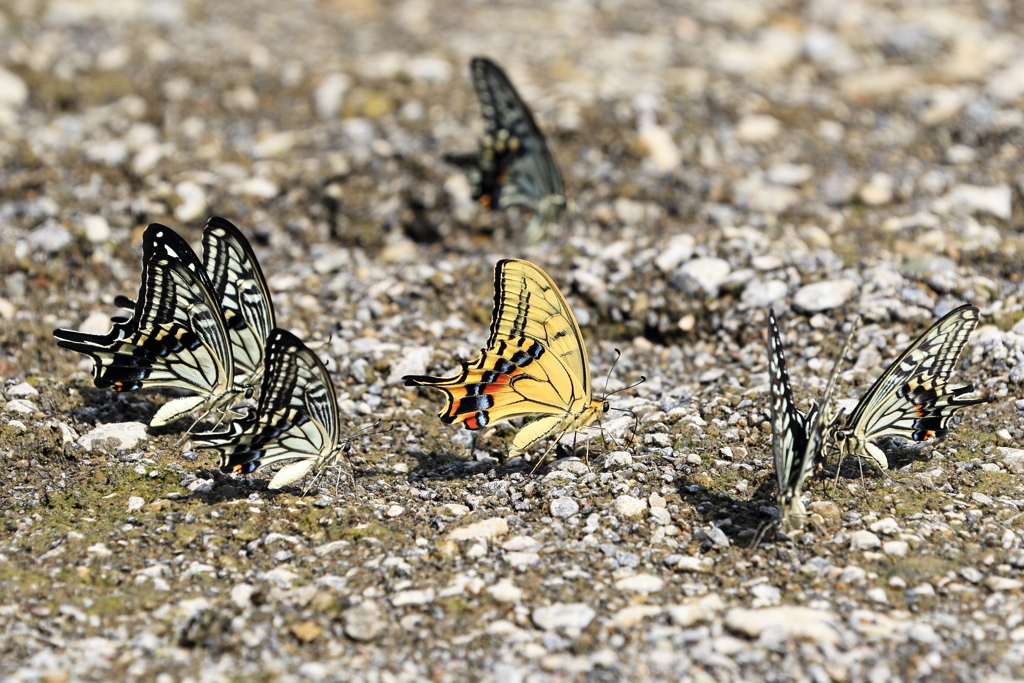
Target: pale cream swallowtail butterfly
[912, 398]
[197, 327]
[295, 422]
[513, 166]
[797, 439]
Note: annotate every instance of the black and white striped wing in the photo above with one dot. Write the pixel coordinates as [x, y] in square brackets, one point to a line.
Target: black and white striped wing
[514, 166]
[174, 339]
[244, 297]
[912, 398]
[791, 446]
[295, 421]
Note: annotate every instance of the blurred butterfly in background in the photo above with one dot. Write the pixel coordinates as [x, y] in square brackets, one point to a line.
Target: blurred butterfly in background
[199, 327]
[514, 166]
[912, 398]
[295, 421]
[797, 439]
[535, 363]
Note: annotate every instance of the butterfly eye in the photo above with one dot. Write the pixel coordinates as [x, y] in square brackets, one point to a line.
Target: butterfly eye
[840, 436]
[605, 407]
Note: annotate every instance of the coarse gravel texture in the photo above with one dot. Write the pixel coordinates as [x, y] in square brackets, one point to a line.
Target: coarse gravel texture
[828, 158]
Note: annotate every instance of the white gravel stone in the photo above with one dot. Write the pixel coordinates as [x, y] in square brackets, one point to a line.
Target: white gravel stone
[688, 615]
[795, 622]
[628, 617]
[996, 201]
[329, 96]
[641, 583]
[394, 511]
[21, 390]
[853, 576]
[569, 618]
[701, 274]
[1012, 458]
[871, 624]
[895, 548]
[757, 128]
[887, 526]
[629, 506]
[96, 229]
[122, 435]
[790, 174]
[618, 460]
[413, 597]
[673, 254]
[13, 91]
[135, 503]
[660, 147]
[864, 540]
[241, 594]
[505, 591]
[922, 590]
[192, 202]
[823, 296]
[877, 595]
[484, 529]
[522, 559]
[413, 361]
[763, 294]
[364, 622]
[21, 406]
[564, 507]
[1002, 583]
[924, 634]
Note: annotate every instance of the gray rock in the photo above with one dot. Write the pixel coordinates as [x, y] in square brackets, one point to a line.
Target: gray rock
[629, 506]
[564, 507]
[120, 436]
[49, 238]
[363, 622]
[21, 390]
[795, 622]
[996, 201]
[764, 294]
[864, 540]
[823, 296]
[701, 275]
[569, 618]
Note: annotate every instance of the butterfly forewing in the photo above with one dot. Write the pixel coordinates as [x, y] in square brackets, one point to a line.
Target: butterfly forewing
[296, 418]
[535, 363]
[912, 398]
[174, 339]
[242, 291]
[793, 461]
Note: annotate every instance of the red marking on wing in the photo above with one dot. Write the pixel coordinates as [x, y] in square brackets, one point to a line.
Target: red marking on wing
[471, 422]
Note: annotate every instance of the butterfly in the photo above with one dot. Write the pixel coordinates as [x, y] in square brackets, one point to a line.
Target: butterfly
[535, 363]
[295, 421]
[514, 166]
[912, 398]
[797, 439]
[241, 289]
[175, 338]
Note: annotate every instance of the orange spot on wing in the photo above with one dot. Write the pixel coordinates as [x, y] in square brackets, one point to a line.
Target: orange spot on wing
[471, 422]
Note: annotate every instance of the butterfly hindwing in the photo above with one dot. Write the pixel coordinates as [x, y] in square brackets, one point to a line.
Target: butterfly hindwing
[175, 338]
[912, 398]
[535, 363]
[295, 422]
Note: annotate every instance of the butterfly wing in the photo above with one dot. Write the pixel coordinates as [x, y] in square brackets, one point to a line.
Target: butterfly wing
[912, 398]
[174, 339]
[791, 442]
[295, 422]
[535, 363]
[242, 291]
[514, 166]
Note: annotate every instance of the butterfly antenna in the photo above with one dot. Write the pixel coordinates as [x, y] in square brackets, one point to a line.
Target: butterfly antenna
[608, 377]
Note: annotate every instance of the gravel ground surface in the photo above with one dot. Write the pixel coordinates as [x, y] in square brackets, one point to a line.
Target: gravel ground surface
[829, 158]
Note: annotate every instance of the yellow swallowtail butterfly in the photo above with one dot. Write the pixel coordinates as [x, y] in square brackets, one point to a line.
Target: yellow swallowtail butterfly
[535, 363]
